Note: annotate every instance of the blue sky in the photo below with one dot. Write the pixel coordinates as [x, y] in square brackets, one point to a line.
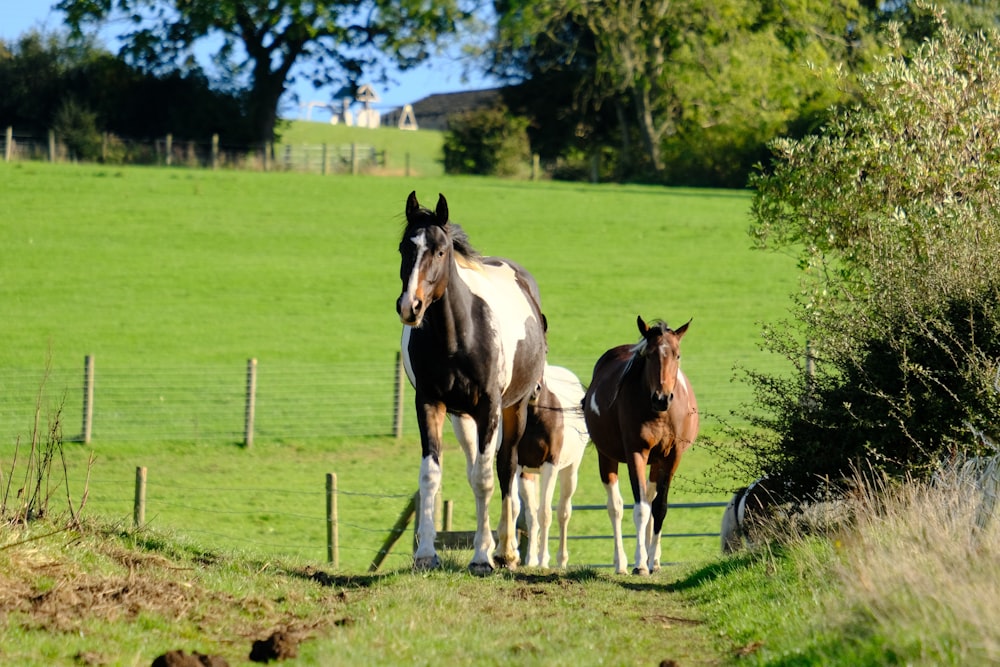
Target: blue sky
[442, 74]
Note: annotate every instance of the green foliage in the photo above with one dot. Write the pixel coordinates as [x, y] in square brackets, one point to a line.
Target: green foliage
[81, 90]
[336, 42]
[686, 92]
[487, 142]
[76, 126]
[894, 214]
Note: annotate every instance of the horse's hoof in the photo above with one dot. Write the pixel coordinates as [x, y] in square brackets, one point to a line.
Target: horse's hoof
[425, 563]
[507, 563]
[640, 571]
[480, 569]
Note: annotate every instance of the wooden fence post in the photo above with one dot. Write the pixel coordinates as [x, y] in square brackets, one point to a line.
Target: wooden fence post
[215, 152]
[88, 398]
[397, 427]
[8, 149]
[449, 508]
[323, 167]
[404, 519]
[139, 512]
[52, 146]
[354, 159]
[170, 149]
[536, 169]
[251, 403]
[332, 536]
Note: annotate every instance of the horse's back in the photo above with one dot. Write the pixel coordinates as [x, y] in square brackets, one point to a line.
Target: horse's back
[514, 313]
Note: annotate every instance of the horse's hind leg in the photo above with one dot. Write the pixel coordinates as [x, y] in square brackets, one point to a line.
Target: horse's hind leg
[509, 433]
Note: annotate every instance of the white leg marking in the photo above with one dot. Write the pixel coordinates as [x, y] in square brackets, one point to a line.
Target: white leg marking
[616, 508]
[641, 517]
[430, 485]
[479, 471]
[528, 491]
[546, 491]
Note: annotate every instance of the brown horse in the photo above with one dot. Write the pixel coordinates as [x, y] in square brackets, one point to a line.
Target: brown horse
[640, 410]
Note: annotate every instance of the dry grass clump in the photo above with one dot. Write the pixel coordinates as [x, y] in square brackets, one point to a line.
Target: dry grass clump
[922, 562]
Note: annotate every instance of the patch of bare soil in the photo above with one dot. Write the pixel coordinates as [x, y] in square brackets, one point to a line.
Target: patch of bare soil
[41, 591]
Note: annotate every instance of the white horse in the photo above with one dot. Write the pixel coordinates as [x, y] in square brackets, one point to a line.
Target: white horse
[553, 444]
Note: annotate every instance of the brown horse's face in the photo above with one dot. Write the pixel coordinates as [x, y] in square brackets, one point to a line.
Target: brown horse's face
[425, 260]
[661, 356]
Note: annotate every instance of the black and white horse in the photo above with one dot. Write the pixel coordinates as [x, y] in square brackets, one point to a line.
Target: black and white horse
[474, 348]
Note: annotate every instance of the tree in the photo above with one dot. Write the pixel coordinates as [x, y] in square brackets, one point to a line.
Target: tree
[691, 74]
[263, 40]
[894, 212]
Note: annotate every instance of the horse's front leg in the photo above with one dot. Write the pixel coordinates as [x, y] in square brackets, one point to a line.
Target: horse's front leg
[641, 511]
[546, 492]
[430, 418]
[568, 478]
[514, 420]
[479, 470]
[527, 485]
[616, 508]
[660, 476]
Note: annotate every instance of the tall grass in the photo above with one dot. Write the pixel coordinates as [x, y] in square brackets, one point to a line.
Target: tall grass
[911, 579]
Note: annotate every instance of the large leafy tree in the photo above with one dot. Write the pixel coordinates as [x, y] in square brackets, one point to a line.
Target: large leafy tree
[685, 74]
[262, 41]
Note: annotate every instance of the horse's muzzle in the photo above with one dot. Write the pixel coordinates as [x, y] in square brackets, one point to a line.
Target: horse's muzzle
[660, 402]
[410, 310]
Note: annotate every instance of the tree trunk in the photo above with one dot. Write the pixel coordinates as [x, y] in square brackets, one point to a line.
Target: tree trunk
[647, 128]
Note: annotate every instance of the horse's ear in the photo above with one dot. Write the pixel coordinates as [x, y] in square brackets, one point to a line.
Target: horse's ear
[412, 205]
[681, 330]
[442, 210]
[642, 325]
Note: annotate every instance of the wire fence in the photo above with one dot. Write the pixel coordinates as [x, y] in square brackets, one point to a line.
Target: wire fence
[208, 403]
[285, 522]
[293, 402]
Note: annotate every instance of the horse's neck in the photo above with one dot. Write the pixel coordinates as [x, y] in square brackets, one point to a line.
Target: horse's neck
[453, 313]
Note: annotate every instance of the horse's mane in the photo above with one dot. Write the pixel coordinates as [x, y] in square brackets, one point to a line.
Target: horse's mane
[640, 347]
[460, 242]
[459, 239]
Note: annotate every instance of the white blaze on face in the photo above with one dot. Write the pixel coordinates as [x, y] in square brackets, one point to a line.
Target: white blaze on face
[413, 283]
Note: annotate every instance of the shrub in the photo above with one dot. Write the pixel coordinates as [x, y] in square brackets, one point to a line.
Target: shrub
[487, 142]
[895, 213]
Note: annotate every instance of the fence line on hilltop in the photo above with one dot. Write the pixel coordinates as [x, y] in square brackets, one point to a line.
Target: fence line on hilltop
[322, 158]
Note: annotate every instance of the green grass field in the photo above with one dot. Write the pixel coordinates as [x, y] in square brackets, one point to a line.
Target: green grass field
[164, 272]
